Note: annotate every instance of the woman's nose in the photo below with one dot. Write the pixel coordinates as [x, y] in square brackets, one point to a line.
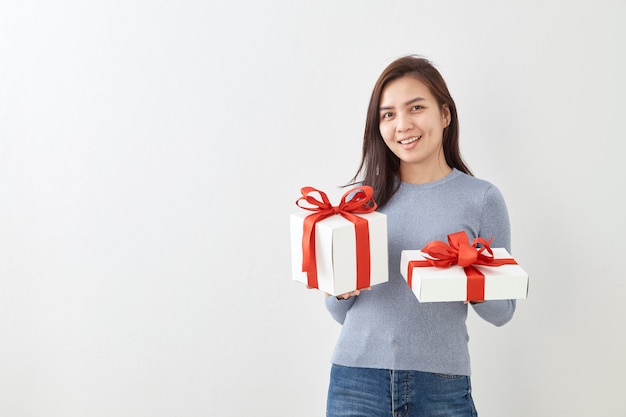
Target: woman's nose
[403, 123]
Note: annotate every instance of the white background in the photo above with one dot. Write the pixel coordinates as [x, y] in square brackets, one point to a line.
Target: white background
[151, 153]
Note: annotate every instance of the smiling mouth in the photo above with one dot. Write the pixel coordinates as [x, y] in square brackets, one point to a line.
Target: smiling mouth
[410, 140]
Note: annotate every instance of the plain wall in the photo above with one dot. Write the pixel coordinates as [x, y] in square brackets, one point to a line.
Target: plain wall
[152, 151]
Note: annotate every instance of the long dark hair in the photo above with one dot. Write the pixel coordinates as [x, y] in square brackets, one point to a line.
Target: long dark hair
[379, 166]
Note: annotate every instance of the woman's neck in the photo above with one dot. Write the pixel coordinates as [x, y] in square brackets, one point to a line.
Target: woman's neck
[414, 174]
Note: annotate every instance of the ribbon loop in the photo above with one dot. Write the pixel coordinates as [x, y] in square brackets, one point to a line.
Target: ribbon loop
[460, 252]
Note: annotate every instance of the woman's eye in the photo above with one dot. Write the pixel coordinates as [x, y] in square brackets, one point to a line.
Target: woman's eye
[387, 115]
[417, 107]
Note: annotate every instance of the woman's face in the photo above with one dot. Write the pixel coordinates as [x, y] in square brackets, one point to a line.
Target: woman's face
[412, 124]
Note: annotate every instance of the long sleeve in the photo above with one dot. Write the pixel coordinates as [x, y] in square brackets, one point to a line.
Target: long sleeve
[496, 312]
[495, 224]
[338, 308]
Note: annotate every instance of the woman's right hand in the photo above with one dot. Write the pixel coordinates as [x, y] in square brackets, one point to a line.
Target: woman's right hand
[347, 295]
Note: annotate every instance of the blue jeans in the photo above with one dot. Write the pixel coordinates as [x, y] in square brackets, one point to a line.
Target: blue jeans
[364, 392]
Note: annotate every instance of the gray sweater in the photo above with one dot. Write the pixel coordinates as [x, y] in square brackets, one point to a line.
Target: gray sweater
[386, 327]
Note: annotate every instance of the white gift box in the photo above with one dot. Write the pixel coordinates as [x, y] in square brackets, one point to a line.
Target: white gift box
[431, 284]
[335, 251]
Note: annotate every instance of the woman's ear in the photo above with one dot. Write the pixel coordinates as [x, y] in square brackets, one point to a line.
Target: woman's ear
[445, 113]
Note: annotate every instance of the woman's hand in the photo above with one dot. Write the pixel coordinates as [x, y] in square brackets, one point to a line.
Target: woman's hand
[347, 295]
[343, 296]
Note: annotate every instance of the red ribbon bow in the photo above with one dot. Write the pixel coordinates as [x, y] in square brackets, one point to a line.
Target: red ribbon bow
[460, 252]
[360, 201]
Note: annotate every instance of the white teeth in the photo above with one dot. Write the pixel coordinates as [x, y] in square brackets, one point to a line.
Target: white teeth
[410, 140]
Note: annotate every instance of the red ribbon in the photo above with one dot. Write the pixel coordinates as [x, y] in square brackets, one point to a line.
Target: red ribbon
[361, 201]
[460, 252]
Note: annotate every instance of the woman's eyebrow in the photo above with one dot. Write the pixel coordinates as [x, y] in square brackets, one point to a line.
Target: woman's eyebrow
[413, 100]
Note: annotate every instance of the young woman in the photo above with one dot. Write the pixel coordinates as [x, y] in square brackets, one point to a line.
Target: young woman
[396, 356]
